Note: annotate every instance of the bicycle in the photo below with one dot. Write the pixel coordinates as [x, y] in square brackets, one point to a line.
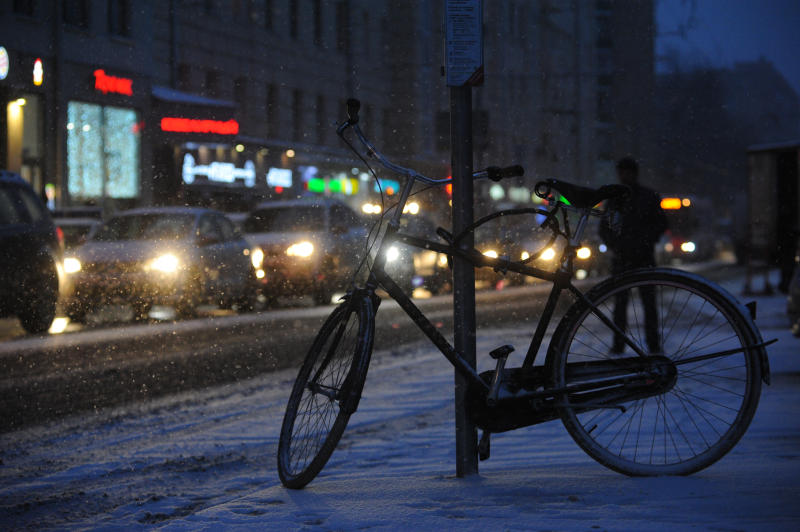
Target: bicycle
[675, 400]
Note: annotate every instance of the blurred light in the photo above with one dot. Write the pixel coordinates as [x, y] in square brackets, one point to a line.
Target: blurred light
[548, 254]
[490, 253]
[70, 126]
[392, 254]
[290, 153]
[686, 202]
[256, 257]
[371, 208]
[496, 192]
[581, 274]
[38, 72]
[72, 265]
[86, 127]
[525, 255]
[167, 263]
[688, 247]
[671, 204]
[260, 274]
[59, 325]
[668, 247]
[301, 249]
[583, 253]
[442, 260]
[20, 101]
[412, 208]
[603, 248]
[239, 148]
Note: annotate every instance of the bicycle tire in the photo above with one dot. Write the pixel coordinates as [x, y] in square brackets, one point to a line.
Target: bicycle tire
[314, 421]
[698, 420]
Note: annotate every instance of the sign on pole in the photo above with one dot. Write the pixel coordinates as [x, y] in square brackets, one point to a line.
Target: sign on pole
[464, 42]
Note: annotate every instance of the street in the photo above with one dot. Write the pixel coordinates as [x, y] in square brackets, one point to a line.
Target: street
[205, 459]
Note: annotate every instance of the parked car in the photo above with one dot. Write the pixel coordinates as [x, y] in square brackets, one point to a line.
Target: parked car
[311, 246]
[178, 256]
[77, 224]
[31, 252]
[422, 268]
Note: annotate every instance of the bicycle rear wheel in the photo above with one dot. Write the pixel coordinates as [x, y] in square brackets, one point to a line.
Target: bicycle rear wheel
[686, 319]
[326, 392]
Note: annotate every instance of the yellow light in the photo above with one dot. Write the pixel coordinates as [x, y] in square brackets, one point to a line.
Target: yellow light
[290, 153]
[671, 204]
[442, 260]
[548, 254]
[686, 202]
[490, 253]
[300, 249]
[392, 254]
[20, 101]
[72, 265]
[59, 325]
[584, 253]
[167, 263]
[257, 257]
[525, 255]
[239, 148]
[688, 247]
[411, 208]
[370, 208]
[260, 274]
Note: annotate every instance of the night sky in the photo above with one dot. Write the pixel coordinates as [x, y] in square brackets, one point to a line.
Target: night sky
[722, 32]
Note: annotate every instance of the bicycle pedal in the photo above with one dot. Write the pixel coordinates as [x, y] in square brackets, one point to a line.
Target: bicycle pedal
[501, 352]
[484, 446]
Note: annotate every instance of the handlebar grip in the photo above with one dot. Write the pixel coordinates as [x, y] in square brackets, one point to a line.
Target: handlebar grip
[353, 106]
[495, 173]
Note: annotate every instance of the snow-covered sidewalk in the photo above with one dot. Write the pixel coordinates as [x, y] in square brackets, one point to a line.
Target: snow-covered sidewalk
[206, 461]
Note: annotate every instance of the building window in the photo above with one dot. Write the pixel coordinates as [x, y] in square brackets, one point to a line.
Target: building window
[317, 23]
[321, 125]
[240, 91]
[297, 115]
[119, 17]
[212, 84]
[272, 110]
[76, 13]
[102, 152]
[342, 27]
[23, 7]
[268, 14]
[293, 23]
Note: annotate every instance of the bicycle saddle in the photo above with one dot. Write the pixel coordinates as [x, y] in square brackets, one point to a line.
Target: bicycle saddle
[578, 196]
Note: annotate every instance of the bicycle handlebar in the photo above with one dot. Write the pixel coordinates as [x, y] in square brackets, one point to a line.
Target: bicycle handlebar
[495, 173]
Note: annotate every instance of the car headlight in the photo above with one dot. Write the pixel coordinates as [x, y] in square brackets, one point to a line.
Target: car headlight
[392, 254]
[167, 263]
[524, 255]
[548, 254]
[257, 257]
[688, 247]
[490, 253]
[583, 253]
[300, 249]
[72, 265]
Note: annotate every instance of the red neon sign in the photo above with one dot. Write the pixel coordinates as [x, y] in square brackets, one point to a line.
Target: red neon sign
[193, 125]
[105, 83]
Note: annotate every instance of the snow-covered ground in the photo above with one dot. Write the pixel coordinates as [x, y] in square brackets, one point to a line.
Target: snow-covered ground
[204, 461]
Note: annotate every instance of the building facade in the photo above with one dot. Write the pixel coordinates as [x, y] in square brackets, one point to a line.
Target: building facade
[228, 102]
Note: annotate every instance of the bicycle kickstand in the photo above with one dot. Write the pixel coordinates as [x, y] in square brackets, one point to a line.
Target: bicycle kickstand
[500, 355]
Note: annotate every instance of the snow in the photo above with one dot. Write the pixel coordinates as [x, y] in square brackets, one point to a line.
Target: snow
[206, 460]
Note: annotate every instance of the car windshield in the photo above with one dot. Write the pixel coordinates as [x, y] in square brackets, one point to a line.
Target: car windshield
[286, 219]
[146, 227]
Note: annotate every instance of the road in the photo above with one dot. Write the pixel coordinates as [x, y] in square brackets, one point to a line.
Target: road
[48, 377]
[53, 376]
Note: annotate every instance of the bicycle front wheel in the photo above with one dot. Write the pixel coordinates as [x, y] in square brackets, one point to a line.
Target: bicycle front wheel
[703, 332]
[326, 392]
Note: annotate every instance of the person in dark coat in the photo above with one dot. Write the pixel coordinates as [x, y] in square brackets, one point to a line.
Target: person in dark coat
[635, 224]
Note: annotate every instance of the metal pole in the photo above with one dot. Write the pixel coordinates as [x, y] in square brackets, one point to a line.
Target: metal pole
[463, 272]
